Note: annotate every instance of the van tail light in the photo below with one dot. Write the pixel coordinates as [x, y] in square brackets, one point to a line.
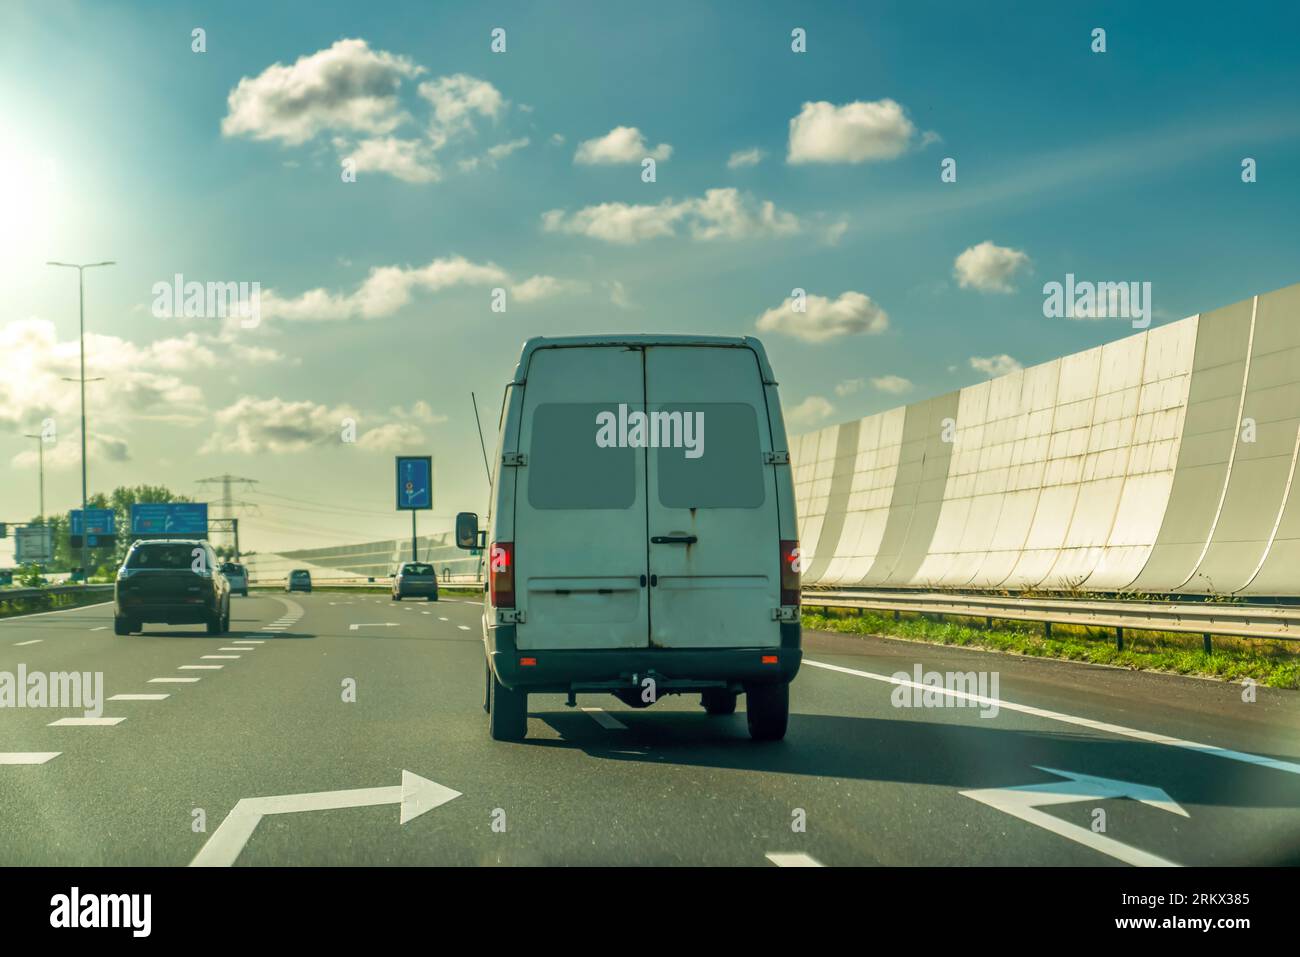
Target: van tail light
[501, 574]
[791, 572]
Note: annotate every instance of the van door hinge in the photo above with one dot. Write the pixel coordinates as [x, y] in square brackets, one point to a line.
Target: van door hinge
[511, 616]
[776, 458]
[515, 459]
[786, 613]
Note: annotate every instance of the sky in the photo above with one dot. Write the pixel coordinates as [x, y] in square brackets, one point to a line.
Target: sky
[387, 177]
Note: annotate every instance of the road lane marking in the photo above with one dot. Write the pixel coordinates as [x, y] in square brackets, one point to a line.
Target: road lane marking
[1208, 749]
[415, 794]
[463, 627]
[201, 667]
[783, 859]
[34, 641]
[100, 628]
[139, 697]
[218, 657]
[172, 681]
[238, 648]
[374, 624]
[251, 641]
[440, 618]
[605, 719]
[19, 619]
[85, 722]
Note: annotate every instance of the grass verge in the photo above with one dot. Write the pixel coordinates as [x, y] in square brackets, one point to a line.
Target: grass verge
[18, 607]
[1268, 662]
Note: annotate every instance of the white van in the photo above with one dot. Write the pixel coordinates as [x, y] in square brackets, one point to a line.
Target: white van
[641, 536]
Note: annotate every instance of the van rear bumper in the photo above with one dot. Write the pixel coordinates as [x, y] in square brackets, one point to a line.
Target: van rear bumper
[673, 669]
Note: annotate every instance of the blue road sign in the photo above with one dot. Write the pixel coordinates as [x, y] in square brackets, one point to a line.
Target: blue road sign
[170, 518]
[414, 481]
[97, 526]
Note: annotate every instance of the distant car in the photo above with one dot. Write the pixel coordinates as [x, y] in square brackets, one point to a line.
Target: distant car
[237, 575]
[416, 580]
[173, 581]
[299, 580]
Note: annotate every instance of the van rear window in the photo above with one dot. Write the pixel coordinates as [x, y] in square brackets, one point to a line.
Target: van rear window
[727, 469]
[163, 556]
[567, 469]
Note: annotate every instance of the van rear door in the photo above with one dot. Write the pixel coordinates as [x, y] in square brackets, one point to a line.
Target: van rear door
[712, 512]
[580, 508]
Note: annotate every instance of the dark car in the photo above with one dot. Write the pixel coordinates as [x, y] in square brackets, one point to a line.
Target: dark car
[237, 575]
[173, 581]
[299, 580]
[417, 580]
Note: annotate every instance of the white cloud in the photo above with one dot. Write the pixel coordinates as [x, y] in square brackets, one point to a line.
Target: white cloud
[989, 268]
[618, 295]
[252, 426]
[345, 87]
[544, 287]
[493, 155]
[893, 384]
[994, 366]
[742, 158]
[622, 144]
[719, 214]
[810, 411]
[407, 160]
[386, 290]
[853, 313]
[456, 100]
[849, 387]
[853, 133]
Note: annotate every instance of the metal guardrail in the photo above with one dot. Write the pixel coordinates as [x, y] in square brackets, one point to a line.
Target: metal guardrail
[1205, 618]
[12, 594]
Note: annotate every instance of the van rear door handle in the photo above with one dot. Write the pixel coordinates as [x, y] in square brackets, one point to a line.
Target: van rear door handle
[674, 540]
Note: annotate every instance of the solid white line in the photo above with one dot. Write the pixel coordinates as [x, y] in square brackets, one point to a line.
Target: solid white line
[172, 681]
[1208, 749]
[27, 757]
[19, 619]
[605, 719]
[139, 697]
[218, 657]
[85, 722]
[34, 641]
[793, 860]
[200, 667]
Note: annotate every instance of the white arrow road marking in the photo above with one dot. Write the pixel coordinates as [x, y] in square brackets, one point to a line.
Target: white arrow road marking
[27, 757]
[1290, 767]
[415, 794]
[34, 641]
[85, 722]
[793, 860]
[139, 697]
[374, 624]
[172, 681]
[605, 719]
[1023, 802]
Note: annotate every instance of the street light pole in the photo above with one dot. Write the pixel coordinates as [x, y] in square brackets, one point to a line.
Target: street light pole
[40, 452]
[81, 296]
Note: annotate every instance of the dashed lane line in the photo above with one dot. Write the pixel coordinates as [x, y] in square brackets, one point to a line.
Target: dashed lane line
[605, 719]
[85, 722]
[201, 667]
[34, 641]
[28, 757]
[782, 859]
[139, 697]
[172, 681]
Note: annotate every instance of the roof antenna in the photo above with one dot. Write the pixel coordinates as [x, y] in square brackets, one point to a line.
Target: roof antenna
[481, 443]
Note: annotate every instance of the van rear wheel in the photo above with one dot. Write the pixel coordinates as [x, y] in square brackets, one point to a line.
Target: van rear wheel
[767, 708]
[719, 701]
[507, 712]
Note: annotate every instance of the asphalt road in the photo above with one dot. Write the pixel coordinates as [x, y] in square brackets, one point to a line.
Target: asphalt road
[1203, 777]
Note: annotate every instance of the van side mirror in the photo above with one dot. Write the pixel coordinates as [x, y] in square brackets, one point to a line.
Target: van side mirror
[467, 530]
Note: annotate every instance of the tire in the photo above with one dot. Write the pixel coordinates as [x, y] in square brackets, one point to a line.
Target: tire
[719, 701]
[432, 598]
[214, 625]
[487, 687]
[397, 598]
[507, 712]
[767, 708]
[121, 626]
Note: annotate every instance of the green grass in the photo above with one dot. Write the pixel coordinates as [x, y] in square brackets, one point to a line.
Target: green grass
[1271, 663]
[29, 606]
